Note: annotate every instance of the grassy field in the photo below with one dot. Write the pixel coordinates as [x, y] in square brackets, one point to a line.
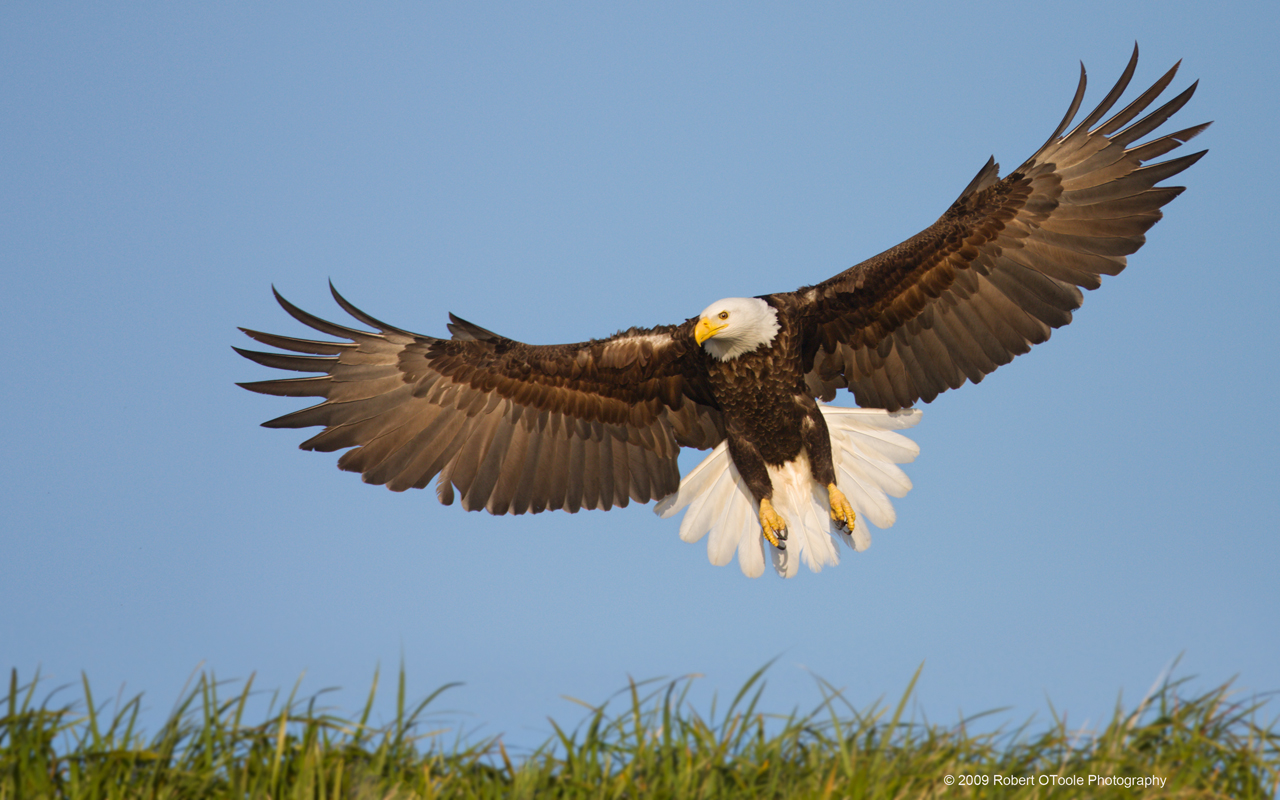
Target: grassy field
[645, 742]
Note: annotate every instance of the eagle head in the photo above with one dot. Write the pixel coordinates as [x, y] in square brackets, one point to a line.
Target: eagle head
[736, 325]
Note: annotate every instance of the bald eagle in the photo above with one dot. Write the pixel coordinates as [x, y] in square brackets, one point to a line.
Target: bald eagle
[514, 428]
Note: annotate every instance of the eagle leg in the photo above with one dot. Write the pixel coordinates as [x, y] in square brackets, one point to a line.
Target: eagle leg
[841, 511]
[772, 525]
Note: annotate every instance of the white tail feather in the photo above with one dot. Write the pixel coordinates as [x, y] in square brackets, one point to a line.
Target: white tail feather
[866, 452]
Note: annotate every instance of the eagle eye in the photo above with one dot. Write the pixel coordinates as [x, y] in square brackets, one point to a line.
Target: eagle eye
[724, 315]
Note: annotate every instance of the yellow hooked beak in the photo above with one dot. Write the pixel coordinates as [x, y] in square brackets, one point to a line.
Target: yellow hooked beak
[705, 329]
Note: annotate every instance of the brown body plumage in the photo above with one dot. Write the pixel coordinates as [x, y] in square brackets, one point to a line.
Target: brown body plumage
[768, 413]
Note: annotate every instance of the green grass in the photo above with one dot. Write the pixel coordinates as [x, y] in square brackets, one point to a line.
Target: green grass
[648, 741]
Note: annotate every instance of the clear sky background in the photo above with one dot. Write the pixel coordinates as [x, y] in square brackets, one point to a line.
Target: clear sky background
[1085, 516]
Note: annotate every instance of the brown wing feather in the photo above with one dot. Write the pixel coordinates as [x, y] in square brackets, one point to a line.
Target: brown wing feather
[1002, 267]
[508, 427]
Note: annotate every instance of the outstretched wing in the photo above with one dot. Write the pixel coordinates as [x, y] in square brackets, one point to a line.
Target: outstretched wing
[1002, 267]
[512, 427]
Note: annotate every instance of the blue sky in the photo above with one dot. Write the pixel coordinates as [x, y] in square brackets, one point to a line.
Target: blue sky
[1085, 516]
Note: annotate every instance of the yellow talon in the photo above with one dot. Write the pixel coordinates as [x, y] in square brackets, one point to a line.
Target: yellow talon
[841, 511]
[772, 525]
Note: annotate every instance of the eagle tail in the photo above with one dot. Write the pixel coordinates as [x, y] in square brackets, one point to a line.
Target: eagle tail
[866, 451]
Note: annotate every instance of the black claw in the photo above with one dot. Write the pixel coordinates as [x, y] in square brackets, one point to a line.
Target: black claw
[782, 535]
[782, 544]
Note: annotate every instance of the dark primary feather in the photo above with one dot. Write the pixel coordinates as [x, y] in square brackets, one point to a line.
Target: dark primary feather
[1002, 267]
[507, 426]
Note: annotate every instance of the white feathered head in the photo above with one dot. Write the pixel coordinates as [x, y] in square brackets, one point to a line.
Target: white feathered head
[736, 325]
